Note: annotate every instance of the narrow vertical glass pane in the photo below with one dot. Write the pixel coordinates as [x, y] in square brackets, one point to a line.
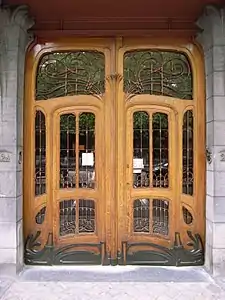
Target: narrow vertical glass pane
[67, 151]
[160, 150]
[67, 217]
[140, 149]
[160, 215]
[188, 157]
[87, 150]
[86, 216]
[141, 215]
[40, 154]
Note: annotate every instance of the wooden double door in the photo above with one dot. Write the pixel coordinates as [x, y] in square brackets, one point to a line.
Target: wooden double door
[114, 153]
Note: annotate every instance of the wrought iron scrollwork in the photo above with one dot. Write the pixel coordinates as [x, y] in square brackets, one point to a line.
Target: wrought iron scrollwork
[70, 73]
[70, 255]
[178, 255]
[157, 73]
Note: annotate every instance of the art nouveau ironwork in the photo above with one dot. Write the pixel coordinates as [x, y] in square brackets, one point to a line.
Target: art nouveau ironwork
[40, 153]
[188, 150]
[157, 73]
[70, 73]
[113, 155]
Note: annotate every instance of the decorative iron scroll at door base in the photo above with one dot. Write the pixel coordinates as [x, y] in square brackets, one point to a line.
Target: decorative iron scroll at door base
[176, 256]
[67, 255]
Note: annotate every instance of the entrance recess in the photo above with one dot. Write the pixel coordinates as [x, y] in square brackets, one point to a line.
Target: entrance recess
[114, 153]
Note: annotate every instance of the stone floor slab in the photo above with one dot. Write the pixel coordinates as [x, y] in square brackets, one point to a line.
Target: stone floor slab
[119, 283]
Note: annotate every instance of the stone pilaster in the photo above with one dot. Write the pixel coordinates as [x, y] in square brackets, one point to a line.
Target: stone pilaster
[212, 40]
[14, 40]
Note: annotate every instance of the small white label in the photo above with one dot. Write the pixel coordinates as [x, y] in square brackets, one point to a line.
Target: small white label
[88, 159]
[5, 157]
[138, 163]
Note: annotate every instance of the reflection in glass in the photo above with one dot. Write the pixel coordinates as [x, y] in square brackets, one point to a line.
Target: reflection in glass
[40, 154]
[160, 215]
[157, 73]
[188, 158]
[70, 73]
[85, 211]
[140, 149]
[40, 216]
[86, 216]
[141, 215]
[160, 150]
[67, 150]
[188, 218]
[67, 213]
[87, 150]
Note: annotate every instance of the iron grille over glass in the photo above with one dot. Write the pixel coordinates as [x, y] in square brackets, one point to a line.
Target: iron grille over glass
[160, 214]
[151, 216]
[77, 150]
[160, 150]
[40, 154]
[150, 150]
[157, 73]
[67, 151]
[86, 150]
[188, 157]
[77, 216]
[70, 73]
[141, 149]
[67, 213]
[141, 215]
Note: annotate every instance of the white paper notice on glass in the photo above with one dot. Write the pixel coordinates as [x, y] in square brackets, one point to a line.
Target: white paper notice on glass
[138, 165]
[88, 159]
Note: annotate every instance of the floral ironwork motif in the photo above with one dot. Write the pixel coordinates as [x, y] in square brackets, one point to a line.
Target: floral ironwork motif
[157, 73]
[86, 216]
[70, 73]
[155, 221]
[188, 153]
[40, 154]
[178, 255]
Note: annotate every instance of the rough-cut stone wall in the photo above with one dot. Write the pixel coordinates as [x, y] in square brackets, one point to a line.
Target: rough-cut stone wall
[212, 40]
[14, 39]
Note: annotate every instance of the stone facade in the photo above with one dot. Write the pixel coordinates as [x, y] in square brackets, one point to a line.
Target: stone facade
[212, 40]
[13, 43]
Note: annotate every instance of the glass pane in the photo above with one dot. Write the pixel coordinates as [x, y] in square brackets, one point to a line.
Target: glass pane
[70, 73]
[157, 73]
[188, 157]
[140, 149]
[160, 150]
[87, 150]
[141, 215]
[40, 154]
[67, 151]
[86, 216]
[160, 215]
[187, 216]
[40, 216]
[67, 213]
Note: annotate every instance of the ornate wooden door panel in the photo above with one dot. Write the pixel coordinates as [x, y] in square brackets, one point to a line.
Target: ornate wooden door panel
[114, 149]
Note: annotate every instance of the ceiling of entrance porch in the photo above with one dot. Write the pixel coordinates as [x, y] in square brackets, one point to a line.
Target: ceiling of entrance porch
[114, 17]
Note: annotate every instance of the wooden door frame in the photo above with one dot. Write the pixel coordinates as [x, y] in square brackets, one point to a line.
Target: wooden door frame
[114, 111]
